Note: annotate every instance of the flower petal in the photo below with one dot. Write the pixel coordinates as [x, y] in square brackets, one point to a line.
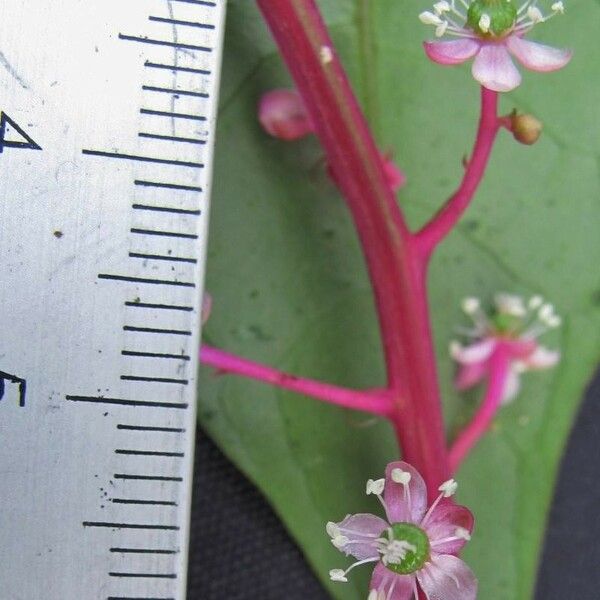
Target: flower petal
[444, 522]
[469, 375]
[360, 531]
[475, 353]
[384, 581]
[405, 505]
[451, 52]
[447, 578]
[538, 57]
[520, 349]
[494, 69]
[542, 358]
[512, 385]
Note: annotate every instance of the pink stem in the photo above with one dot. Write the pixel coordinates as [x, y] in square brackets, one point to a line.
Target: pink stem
[394, 260]
[372, 401]
[498, 372]
[444, 221]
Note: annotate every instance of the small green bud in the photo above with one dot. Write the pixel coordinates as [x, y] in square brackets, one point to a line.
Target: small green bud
[492, 18]
[526, 129]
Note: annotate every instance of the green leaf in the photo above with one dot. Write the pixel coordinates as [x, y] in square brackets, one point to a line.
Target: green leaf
[290, 287]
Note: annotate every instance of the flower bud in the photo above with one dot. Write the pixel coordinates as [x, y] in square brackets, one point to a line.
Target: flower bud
[395, 178]
[526, 129]
[283, 115]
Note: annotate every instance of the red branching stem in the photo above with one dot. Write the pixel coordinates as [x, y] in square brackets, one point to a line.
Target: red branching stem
[499, 367]
[445, 220]
[372, 401]
[394, 260]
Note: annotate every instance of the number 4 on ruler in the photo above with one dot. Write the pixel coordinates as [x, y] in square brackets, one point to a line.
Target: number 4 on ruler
[13, 136]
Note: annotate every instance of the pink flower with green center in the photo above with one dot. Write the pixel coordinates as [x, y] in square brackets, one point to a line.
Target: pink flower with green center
[490, 31]
[510, 331]
[416, 547]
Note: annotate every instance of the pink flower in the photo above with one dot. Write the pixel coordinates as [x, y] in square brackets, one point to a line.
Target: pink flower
[415, 547]
[492, 31]
[283, 115]
[512, 328]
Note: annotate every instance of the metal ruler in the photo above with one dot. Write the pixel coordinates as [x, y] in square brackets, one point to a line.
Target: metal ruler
[107, 119]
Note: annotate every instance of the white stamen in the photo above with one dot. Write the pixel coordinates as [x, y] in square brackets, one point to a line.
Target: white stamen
[535, 302]
[510, 305]
[439, 8]
[340, 541]
[400, 476]
[375, 487]
[535, 14]
[429, 18]
[554, 321]
[448, 488]
[558, 7]
[545, 313]
[326, 55]
[524, 6]
[338, 575]
[332, 529]
[444, 18]
[485, 22]
[460, 533]
[471, 305]
[534, 331]
[455, 350]
[440, 30]
[393, 552]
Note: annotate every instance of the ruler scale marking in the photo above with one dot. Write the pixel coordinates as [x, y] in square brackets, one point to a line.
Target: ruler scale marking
[108, 161]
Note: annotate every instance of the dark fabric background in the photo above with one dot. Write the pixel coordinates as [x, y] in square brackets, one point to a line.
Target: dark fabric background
[240, 551]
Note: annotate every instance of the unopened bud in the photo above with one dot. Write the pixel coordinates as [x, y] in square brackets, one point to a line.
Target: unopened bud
[526, 129]
[395, 178]
[283, 115]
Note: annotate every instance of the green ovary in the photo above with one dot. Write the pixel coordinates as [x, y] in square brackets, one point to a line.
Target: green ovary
[413, 561]
[505, 324]
[502, 13]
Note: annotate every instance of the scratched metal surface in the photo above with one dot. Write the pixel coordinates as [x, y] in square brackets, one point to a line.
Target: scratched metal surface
[108, 114]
